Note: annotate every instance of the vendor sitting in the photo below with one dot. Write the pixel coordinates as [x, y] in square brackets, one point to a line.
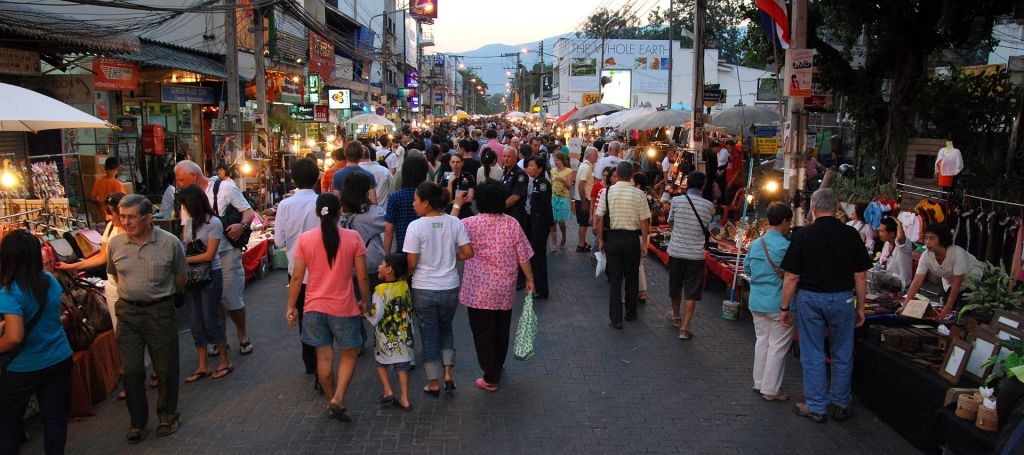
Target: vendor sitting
[897, 252]
[951, 262]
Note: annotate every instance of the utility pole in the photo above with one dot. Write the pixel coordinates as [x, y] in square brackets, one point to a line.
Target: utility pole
[697, 132]
[262, 136]
[231, 61]
[796, 119]
[520, 85]
[670, 46]
[540, 82]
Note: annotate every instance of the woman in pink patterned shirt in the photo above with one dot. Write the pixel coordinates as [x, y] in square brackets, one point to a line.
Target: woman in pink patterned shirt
[489, 281]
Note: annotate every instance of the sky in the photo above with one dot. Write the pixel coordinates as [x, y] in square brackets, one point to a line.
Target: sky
[465, 25]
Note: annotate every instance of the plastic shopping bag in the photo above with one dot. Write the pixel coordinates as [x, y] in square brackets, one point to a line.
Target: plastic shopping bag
[526, 331]
[602, 261]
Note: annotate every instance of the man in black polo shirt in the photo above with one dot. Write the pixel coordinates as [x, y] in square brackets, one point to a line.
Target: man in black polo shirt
[826, 261]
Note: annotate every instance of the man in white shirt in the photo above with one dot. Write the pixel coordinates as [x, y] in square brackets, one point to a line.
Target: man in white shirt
[388, 154]
[581, 196]
[382, 175]
[221, 195]
[614, 149]
[296, 215]
[897, 253]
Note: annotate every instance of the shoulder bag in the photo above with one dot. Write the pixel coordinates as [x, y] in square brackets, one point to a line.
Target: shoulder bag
[229, 217]
[7, 357]
[778, 272]
[198, 274]
[90, 301]
[80, 332]
[707, 235]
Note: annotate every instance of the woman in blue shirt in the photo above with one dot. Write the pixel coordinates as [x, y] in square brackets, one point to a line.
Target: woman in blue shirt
[773, 338]
[42, 367]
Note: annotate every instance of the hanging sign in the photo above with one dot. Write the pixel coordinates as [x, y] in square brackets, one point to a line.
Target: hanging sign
[189, 94]
[110, 74]
[321, 56]
[591, 98]
[14, 61]
[412, 78]
[799, 79]
[339, 99]
[321, 113]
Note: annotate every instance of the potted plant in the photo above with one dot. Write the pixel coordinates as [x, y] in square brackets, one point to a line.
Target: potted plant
[991, 291]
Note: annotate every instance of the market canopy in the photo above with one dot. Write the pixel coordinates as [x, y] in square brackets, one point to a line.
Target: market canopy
[25, 110]
[370, 119]
[656, 119]
[515, 114]
[593, 110]
[562, 118]
[742, 117]
[616, 119]
[461, 114]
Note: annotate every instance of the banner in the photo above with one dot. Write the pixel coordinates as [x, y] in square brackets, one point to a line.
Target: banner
[321, 56]
[110, 74]
[799, 77]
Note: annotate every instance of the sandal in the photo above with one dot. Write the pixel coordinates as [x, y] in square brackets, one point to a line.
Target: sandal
[245, 348]
[196, 376]
[221, 372]
[781, 396]
[154, 382]
[676, 322]
[398, 404]
[168, 427]
[135, 435]
[583, 249]
[386, 399]
[338, 413]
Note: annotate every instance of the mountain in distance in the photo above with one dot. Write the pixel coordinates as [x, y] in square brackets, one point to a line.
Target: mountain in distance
[492, 67]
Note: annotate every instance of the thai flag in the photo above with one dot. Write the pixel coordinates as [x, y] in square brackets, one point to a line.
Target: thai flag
[774, 17]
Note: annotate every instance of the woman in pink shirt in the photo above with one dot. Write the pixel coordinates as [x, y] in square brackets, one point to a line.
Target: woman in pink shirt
[331, 315]
[489, 279]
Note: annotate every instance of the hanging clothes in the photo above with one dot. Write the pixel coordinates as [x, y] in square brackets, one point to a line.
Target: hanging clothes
[823, 142]
[933, 212]
[1011, 224]
[911, 225]
[996, 226]
[962, 234]
[873, 215]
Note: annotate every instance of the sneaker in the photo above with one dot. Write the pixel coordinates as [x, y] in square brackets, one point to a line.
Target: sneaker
[685, 334]
[839, 413]
[676, 322]
[801, 410]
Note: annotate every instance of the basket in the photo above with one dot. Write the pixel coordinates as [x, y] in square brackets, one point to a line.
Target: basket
[987, 420]
[730, 310]
[967, 406]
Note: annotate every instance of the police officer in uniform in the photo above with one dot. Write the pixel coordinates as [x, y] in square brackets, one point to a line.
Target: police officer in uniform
[541, 219]
[515, 182]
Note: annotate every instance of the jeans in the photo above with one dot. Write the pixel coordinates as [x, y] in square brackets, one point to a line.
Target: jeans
[773, 341]
[234, 279]
[435, 311]
[816, 312]
[623, 251]
[154, 328]
[490, 336]
[204, 304]
[52, 385]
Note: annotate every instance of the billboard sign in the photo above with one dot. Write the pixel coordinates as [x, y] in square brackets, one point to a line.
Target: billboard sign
[110, 74]
[617, 87]
[339, 99]
[647, 60]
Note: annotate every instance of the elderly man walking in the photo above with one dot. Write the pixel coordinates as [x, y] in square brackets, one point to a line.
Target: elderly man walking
[826, 261]
[623, 210]
[610, 160]
[148, 265]
[223, 196]
[581, 195]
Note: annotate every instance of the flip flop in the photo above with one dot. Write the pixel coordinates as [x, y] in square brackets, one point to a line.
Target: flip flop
[168, 427]
[196, 376]
[227, 370]
[245, 348]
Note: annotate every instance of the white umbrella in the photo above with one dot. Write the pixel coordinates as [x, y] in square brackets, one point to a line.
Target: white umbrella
[593, 110]
[616, 119]
[515, 114]
[370, 119]
[25, 110]
[741, 117]
[656, 119]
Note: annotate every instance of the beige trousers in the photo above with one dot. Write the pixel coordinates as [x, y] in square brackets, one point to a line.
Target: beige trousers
[773, 340]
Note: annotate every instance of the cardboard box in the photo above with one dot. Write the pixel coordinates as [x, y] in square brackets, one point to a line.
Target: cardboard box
[92, 164]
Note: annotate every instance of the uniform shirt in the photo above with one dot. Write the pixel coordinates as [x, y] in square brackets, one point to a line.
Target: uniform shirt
[515, 182]
[539, 203]
[687, 241]
[471, 165]
[826, 254]
[227, 194]
[765, 284]
[295, 215]
[146, 271]
[47, 344]
[584, 180]
[628, 207]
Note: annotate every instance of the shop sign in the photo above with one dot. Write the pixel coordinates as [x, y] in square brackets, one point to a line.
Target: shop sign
[414, 103]
[321, 113]
[301, 112]
[289, 89]
[313, 89]
[24, 63]
[188, 94]
[766, 145]
[110, 74]
[799, 79]
[321, 55]
[439, 98]
[412, 78]
[591, 98]
[339, 99]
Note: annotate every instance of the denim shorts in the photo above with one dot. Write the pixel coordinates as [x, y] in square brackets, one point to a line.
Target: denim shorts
[320, 329]
[400, 366]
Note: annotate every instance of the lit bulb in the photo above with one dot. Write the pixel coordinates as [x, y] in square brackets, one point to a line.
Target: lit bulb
[771, 186]
[310, 142]
[750, 198]
[329, 146]
[246, 168]
[652, 152]
[8, 180]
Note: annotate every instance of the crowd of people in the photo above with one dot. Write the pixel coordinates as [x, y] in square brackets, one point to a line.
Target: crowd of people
[377, 238]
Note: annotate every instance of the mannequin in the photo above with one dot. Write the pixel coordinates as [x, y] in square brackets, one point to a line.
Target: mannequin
[948, 165]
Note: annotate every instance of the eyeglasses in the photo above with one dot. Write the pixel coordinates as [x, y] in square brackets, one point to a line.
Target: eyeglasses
[132, 218]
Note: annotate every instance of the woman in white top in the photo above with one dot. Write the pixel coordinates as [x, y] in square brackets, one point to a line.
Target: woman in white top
[954, 264]
[489, 169]
[863, 229]
[434, 243]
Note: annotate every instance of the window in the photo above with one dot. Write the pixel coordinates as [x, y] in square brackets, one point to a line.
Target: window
[924, 166]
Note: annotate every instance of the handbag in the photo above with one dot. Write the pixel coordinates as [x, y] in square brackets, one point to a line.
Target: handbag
[79, 330]
[198, 274]
[7, 357]
[526, 331]
[90, 301]
[63, 251]
[89, 242]
[231, 216]
[707, 235]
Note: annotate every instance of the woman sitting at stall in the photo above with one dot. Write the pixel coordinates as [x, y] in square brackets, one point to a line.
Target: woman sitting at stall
[951, 262]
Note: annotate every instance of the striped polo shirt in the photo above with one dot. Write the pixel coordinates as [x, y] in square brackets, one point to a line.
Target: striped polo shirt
[687, 235]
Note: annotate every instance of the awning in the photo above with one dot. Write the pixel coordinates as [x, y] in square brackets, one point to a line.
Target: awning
[25, 21]
[173, 57]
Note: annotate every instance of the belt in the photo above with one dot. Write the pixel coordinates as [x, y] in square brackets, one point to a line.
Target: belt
[145, 303]
[627, 231]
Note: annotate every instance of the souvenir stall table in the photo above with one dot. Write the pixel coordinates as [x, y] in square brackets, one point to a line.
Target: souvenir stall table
[260, 250]
[94, 374]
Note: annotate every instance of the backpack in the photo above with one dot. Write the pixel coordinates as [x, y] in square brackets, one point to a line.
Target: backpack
[231, 216]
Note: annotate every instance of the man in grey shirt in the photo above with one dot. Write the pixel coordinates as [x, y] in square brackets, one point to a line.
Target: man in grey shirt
[148, 265]
[689, 216]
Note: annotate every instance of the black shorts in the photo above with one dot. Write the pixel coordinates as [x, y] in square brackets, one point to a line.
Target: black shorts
[685, 278]
[582, 213]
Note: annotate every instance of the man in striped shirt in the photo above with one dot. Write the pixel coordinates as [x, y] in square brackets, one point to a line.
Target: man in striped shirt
[624, 215]
[689, 217]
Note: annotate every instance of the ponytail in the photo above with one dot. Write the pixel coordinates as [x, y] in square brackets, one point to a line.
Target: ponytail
[327, 208]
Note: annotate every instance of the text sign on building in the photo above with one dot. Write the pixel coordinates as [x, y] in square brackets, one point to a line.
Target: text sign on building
[339, 99]
[647, 60]
[189, 94]
[412, 78]
[110, 74]
[321, 56]
[321, 113]
[799, 80]
[591, 98]
[301, 112]
[25, 63]
[414, 103]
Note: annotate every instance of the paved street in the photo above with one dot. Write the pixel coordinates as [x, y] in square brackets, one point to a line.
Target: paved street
[589, 389]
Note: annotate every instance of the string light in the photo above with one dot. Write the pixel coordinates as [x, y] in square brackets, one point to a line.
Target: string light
[8, 180]
[246, 168]
[772, 186]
